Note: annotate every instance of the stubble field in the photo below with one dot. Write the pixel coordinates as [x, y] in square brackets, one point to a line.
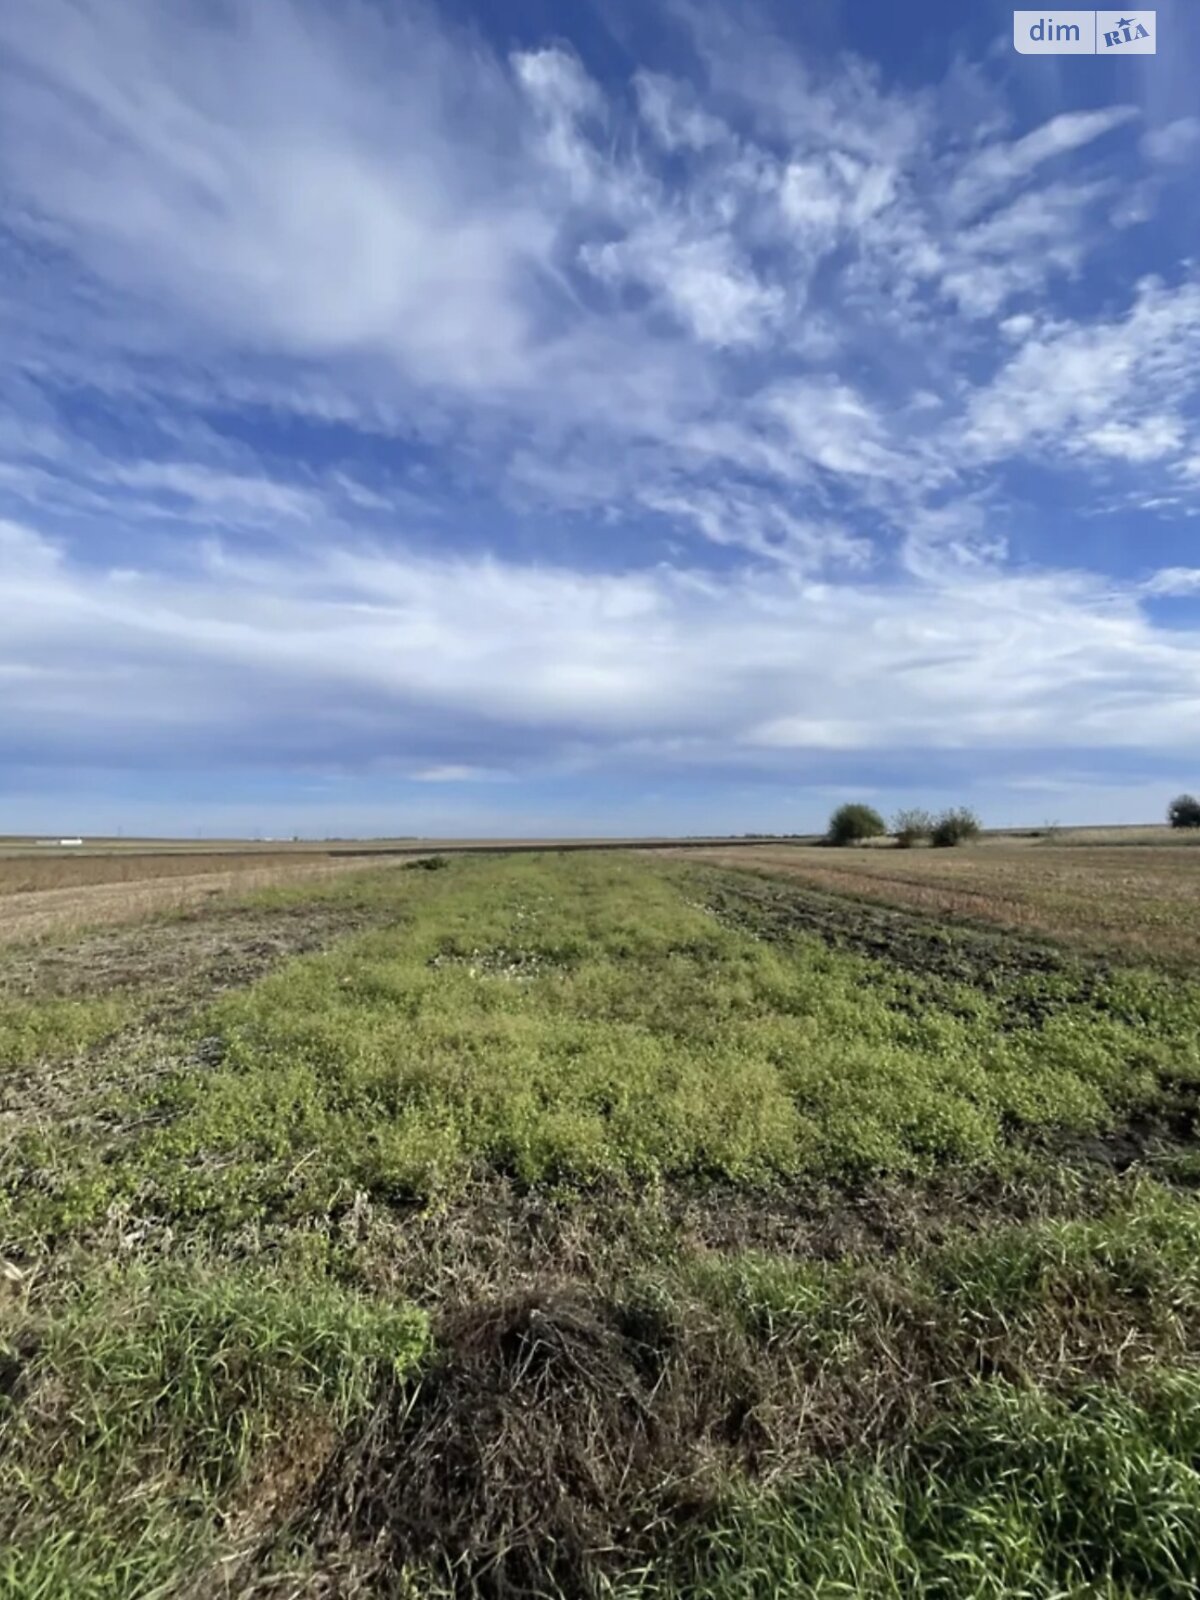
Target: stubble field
[612, 1224]
[1121, 894]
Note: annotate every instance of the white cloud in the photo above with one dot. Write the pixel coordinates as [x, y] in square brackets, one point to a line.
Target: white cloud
[504, 652]
[417, 230]
[671, 111]
[824, 194]
[772, 325]
[452, 773]
[53, 473]
[999, 167]
[833, 426]
[217, 491]
[556, 80]
[272, 183]
[1148, 439]
[772, 531]
[785, 99]
[1103, 388]
[563, 97]
[1173, 581]
[1018, 326]
[1174, 142]
[703, 279]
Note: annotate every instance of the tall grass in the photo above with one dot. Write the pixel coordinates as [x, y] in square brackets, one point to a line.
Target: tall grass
[145, 1400]
[1022, 1494]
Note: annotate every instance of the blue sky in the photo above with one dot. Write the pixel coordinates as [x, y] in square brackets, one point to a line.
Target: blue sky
[601, 417]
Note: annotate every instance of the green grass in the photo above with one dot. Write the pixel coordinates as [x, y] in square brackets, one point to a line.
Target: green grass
[147, 1398]
[1006, 1468]
[579, 1022]
[1043, 1298]
[37, 1031]
[239, 1240]
[1021, 1493]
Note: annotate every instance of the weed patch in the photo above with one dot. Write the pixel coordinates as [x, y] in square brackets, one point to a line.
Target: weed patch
[617, 1034]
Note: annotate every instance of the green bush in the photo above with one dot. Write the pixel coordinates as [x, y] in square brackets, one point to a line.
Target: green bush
[1184, 811]
[956, 826]
[911, 826]
[850, 824]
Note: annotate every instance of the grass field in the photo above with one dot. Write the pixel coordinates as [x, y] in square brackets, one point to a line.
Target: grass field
[46, 888]
[613, 1225]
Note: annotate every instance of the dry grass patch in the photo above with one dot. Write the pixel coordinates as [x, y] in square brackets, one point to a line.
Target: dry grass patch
[135, 891]
[28, 874]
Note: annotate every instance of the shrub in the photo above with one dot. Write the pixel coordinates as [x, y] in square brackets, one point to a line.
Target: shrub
[955, 826]
[850, 824]
[910, 827]
[1184, 811]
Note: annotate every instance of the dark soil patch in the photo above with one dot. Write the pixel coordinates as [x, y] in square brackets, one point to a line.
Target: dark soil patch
[885, 1219]
[1119, 1150]
[904, 938]
[1151, 1142]
[1000, 965]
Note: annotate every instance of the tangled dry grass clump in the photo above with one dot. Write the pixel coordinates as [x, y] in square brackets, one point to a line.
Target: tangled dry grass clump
[529, 1451]
[559, 1437]
[567, 1435]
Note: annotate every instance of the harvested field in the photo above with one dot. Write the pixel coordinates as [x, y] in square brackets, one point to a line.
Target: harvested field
[1135, 901]
[128, 889]
[32, 874]
[595, 1225]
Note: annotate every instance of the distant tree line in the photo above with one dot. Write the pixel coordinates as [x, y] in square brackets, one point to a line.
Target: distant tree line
[853, 823]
